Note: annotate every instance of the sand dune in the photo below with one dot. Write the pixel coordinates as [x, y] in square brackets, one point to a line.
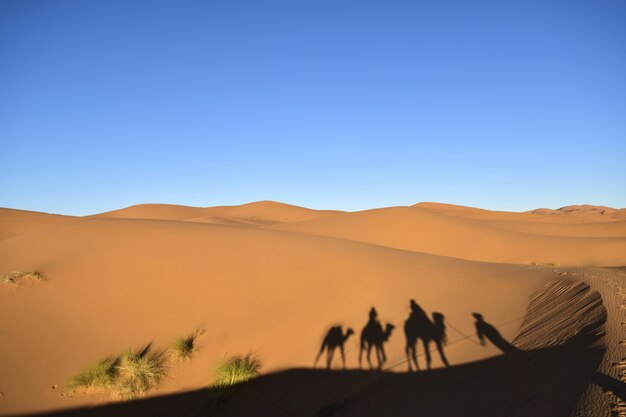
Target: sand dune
[426, 230]
[268, 291]
[594, 222]
[15, 222]
[262, 212]
[124, 279]
[580, 209]
[567, 214]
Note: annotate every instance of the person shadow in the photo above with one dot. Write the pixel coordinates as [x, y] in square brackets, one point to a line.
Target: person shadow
[485, 330]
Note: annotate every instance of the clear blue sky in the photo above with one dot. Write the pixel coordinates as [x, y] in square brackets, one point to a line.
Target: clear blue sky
[328, 104]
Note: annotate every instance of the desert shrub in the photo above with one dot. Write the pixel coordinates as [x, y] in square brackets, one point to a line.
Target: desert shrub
[139, 372]
[238, 368]
[129, 375]
[184, 347]
[100, 376]
[16, 278]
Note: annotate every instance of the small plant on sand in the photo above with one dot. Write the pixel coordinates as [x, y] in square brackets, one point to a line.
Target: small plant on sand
[16, 278]
[99, 377]
[129, 375]
[236, 369]
[184, 347]
[139, 372]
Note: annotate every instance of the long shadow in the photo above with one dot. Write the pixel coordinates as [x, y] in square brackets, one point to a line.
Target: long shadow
[608, 383]
[542, 382]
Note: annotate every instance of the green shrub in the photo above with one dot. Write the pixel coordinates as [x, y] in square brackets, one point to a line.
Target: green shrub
[238, 368]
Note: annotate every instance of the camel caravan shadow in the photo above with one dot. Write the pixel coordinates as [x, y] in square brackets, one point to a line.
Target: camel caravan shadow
[547, 370]
[539, 383]
[418, 326]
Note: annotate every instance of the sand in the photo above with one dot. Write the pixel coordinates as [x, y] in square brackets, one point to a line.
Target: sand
[270, 278]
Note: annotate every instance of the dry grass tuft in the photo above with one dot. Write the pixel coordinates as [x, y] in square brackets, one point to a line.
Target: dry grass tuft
[183, 348]
[236, 369]
[129, 375]
[139, 372]
[99, 377]
[17, 278]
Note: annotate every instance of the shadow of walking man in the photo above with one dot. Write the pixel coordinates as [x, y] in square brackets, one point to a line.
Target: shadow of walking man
[487, 331]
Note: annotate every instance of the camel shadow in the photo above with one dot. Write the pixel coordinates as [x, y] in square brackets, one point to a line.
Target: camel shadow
[335, 338]
[373, 336]
[418, 326]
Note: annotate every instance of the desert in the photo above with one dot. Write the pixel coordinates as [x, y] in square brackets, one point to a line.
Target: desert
[270, 279]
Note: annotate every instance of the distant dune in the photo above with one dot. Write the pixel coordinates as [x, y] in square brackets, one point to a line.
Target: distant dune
[269, 278]
[262, 212]
[474, 234]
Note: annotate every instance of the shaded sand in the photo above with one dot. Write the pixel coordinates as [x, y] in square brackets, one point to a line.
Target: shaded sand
[115, 282]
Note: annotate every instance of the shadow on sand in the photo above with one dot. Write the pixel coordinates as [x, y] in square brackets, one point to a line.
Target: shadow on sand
[542, 382]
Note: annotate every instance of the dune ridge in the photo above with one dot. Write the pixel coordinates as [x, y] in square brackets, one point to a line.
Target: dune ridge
[15, 222]
[429, 231]
[256, 213]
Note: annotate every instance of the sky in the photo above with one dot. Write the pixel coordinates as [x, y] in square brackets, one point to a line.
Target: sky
[506, 105]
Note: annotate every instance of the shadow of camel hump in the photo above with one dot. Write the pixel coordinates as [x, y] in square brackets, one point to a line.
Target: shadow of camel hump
[373, 336]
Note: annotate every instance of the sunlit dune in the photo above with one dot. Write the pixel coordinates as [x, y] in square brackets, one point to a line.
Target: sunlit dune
[262, 212]
[508, 237]
[15, 222]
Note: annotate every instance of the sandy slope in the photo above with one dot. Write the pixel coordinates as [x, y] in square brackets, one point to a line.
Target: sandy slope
[432, 231]
[268, 291]
[15, 222]
[562, 342]
[122, 279]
